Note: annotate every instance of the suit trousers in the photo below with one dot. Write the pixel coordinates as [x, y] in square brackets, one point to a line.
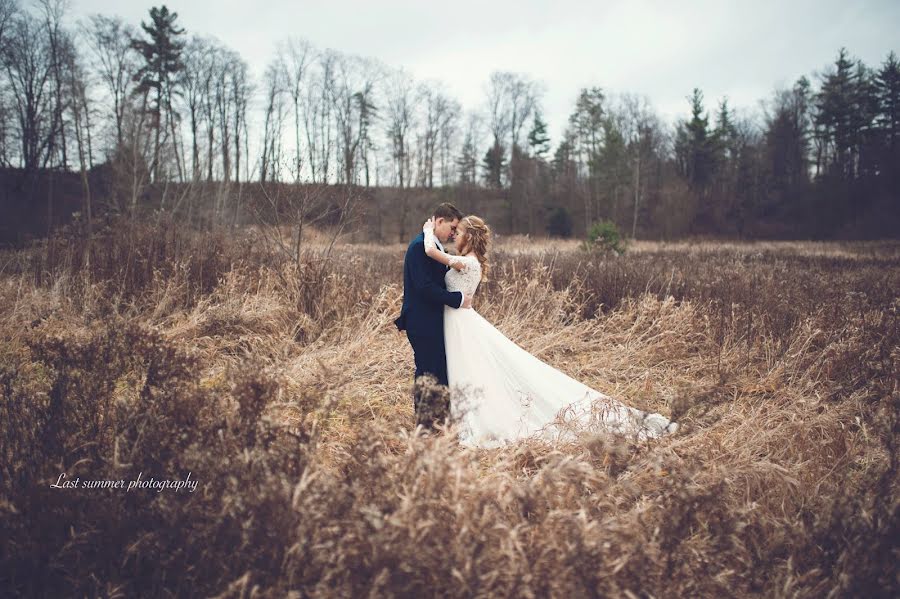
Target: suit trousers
[430, 358]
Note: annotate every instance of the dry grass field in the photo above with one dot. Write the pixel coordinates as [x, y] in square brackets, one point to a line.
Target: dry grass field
[284, 390]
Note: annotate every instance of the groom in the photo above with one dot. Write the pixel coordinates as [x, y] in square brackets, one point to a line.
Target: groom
[424, 297]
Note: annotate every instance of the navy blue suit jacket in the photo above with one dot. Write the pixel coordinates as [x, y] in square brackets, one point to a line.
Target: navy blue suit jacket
[424, 293]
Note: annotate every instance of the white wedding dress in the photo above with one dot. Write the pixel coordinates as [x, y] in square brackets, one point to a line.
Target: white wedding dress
[501, 393]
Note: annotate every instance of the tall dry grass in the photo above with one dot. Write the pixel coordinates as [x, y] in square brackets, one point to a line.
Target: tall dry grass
[285, 391]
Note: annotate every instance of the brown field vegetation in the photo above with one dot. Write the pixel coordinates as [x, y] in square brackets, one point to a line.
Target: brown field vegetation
[285, 391]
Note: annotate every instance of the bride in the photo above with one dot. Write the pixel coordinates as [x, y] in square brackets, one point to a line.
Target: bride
[516, 395]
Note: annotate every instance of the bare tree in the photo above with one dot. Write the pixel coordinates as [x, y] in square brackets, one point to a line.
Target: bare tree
[523, 98]
[285, 206]
[273, 122]
[198, 60]
[322, 110]
[294, 59]
[448, 129]
[109, 39]
[511, 101]
[241, 88]
[400, 98]
[29, 67]
[498, 115]
[367, 101]
[208, 102]
[133, 160]
[8, 9]
[643, 131]
[437, 110]
[346, 81]
[224, 107]
[80, 108]
[7, 128]
[296, 207]
[352, 96]
[52, 12]
[313, 115]
[318, 114]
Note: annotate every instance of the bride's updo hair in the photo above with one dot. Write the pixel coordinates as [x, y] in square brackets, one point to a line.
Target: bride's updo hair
[478, 240]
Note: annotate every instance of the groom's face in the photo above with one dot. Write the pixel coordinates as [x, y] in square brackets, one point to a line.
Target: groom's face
[445, 230]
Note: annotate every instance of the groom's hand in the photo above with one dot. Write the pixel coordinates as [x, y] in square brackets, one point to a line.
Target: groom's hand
[467, 302]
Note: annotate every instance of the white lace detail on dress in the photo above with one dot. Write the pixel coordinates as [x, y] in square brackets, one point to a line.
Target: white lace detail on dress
[466, 279]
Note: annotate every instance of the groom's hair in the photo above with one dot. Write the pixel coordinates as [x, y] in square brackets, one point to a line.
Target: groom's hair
[447, 211]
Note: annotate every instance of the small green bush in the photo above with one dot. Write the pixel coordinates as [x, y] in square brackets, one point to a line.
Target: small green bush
[605, 237]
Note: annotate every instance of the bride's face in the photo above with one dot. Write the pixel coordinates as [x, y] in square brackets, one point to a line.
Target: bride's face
[461, 238]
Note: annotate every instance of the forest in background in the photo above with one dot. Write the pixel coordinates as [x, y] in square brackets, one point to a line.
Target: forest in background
[103, 116]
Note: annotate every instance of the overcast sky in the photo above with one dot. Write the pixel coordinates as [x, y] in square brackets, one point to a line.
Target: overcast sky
[661, 49]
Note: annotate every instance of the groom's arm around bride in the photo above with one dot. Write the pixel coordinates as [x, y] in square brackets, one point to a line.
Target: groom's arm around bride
[424, 292]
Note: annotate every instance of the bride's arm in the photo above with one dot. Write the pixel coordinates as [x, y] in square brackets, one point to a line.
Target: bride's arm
[432, 251]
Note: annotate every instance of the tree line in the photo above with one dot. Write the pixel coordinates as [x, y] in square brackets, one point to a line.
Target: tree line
[154, 105]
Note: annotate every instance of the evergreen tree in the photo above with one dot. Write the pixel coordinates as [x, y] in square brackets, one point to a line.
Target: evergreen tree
[724, 136]
[868, 149]
[836, 103]
[563, 166]
[586, 125]
[367, 111]
[887, 89]
[747, 188]
[726, 149]
[694, 147]
[695, 151]
[613, 169]
[468, 161]
[538, 139]
[162, 65]
[587, 120]
[564, 178]
[787, 140]
[494, 163]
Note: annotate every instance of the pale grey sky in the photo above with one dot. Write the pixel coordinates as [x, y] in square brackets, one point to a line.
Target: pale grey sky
[661, 49]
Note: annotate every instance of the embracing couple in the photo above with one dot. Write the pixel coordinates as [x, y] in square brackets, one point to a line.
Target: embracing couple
[510, 394]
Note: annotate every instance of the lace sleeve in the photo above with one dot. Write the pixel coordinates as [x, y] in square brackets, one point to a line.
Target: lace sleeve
[451, 259]
[429, 240]
[458, 260]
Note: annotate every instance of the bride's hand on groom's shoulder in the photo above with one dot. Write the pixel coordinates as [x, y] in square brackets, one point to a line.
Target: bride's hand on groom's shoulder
[429, 225]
